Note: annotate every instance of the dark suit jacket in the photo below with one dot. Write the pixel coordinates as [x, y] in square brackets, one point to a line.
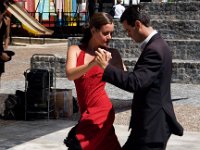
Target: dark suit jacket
[152, 108]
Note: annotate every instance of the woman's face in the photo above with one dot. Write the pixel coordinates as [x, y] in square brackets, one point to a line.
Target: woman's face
[104, 35]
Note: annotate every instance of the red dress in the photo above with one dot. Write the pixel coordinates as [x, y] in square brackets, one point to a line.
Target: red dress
[95, 129]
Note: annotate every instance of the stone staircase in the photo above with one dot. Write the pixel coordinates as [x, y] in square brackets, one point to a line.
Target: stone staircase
[179, 24]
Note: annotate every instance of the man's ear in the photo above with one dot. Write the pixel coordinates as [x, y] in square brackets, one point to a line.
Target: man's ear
[137, 24]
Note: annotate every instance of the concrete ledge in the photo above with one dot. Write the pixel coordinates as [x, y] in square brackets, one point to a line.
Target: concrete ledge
[33, 40]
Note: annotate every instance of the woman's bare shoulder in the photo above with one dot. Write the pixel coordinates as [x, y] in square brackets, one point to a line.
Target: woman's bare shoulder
[74, 49]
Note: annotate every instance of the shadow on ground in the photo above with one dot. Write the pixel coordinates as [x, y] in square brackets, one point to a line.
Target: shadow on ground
[18, 132]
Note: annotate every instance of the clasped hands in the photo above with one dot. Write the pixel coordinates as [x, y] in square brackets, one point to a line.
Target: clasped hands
[102, 57]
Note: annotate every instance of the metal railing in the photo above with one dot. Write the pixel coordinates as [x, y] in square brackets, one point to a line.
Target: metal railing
[64, 24]
[52, 19]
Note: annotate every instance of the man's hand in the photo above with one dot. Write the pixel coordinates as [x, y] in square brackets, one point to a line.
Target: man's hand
[102, 57]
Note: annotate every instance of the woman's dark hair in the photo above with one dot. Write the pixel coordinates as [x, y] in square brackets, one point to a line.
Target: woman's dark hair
[133, 13]
[97, 21]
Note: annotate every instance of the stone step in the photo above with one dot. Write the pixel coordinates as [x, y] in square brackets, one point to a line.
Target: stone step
[185, 0]
[178, 29]
[183, 71]
[33, 40]
[186, 71]
[181, 49]
[184, 10]
[170, 29]
[185, 49]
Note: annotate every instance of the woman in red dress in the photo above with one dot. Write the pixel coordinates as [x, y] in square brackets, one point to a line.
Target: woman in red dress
[94, 130]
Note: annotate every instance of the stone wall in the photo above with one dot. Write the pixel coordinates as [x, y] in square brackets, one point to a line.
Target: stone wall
[51, 63]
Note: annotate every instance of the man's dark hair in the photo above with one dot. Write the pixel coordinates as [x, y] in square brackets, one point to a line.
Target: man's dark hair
[133, 13]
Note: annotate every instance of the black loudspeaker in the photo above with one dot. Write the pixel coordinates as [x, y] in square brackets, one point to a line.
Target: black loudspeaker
[39, 78]
[35, 96]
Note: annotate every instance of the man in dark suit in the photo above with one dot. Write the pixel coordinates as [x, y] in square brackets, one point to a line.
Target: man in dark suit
[153, 119]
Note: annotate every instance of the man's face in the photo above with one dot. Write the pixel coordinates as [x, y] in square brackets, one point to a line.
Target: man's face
[131, 31]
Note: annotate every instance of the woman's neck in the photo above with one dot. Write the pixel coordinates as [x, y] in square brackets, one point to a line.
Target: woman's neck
[92, 47]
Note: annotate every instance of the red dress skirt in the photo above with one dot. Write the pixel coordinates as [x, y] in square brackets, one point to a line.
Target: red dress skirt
[95, 129]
